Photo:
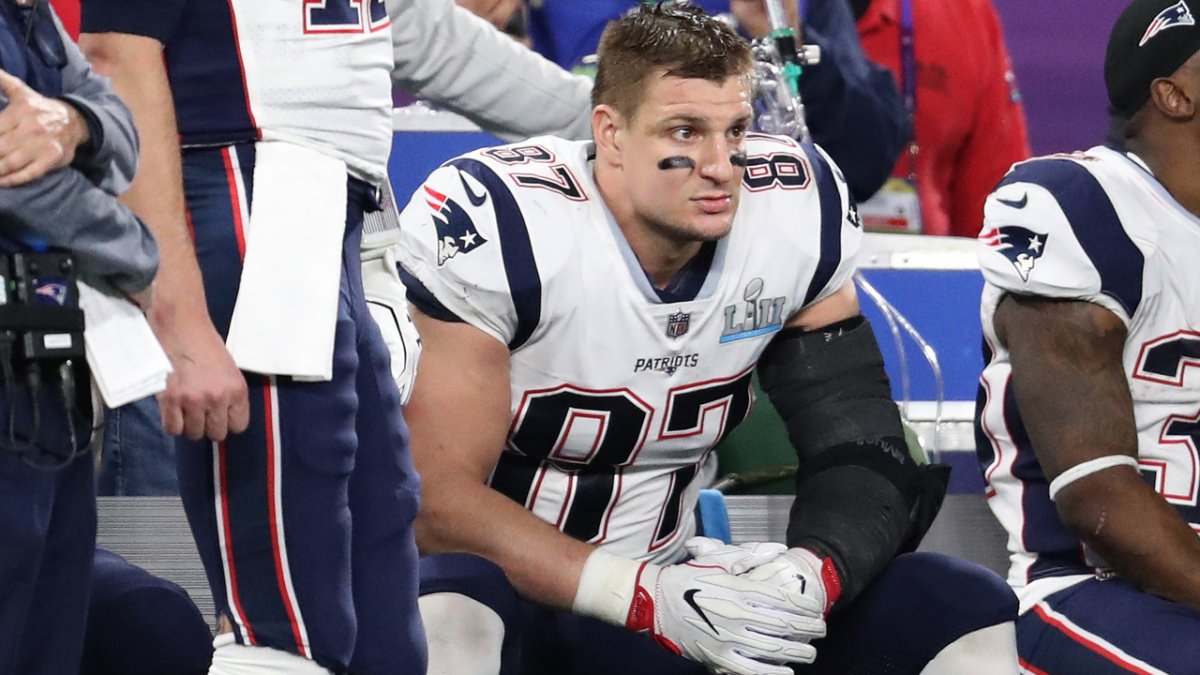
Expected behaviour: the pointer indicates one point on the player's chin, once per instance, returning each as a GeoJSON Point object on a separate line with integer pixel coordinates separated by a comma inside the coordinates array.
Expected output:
{"type": "Point", "coordinates": [712, 226]}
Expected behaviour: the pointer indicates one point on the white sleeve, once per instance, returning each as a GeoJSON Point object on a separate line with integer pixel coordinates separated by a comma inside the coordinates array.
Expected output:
{"type": "Point", "coordinates": [461, 62]}
{"type": "Point", "coordinates": [450, 250]}
{"type": "Point", "coordinates": [1050, 229]}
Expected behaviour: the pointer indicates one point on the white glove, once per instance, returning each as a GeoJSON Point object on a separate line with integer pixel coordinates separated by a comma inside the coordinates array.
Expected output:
{"type": "Point", "coordinates": [800, 571]}
{"type": "Point", "coordinates": [702, 612]}
{"type": "Point", "coordinates": [734, 559]}
{"type": "Point", "coordinates": [385, 294]}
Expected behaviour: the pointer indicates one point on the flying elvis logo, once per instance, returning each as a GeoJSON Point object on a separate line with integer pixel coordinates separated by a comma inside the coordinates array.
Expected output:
{"type": "Point", "coordinates": [1020, 245]}
{"type": "Point", "coordinates": [1176, 15]}
{"type": "Point", "coordinates": [455, 231]}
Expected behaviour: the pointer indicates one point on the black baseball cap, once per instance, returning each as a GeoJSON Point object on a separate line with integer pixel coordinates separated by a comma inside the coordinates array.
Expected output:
{"type": "Point", "coordinates": [1151, 39]}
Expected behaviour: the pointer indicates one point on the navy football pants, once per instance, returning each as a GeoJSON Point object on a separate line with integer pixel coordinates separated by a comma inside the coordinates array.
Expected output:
{"type": "Point", "coordinates": [1099, 627]}
{"type": "Point", "coordinates": [304, 521]}
{"type": "Point", "coordinates": [139, 623]}
{"type": "Point", "coordinates": [918, 605]}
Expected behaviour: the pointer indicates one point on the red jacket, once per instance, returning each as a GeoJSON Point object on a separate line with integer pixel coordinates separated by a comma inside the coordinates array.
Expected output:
{"type": "Point", "coordinates": [970, 126]}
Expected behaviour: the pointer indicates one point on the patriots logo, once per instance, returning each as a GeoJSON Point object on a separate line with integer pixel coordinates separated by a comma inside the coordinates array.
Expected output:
{"type": "Point", "coordinates": [1177, 14]}
{"type": "Point", "coordinates": [1020, 245]}
{"type": "Point", "coordinates": [53, 291]}
{"type": "Point", "coordinates": [455, 231]}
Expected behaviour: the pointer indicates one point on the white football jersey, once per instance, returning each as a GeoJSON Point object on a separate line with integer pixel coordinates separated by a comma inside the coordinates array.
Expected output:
{"type": "Point", "coordinates": [1098, 227]}
{"type": "Point", "coordinates": [320, 75]}
{"type": "Point", "coordinates": [619, 396]}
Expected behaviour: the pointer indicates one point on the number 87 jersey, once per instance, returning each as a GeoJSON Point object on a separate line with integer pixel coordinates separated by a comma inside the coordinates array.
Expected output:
{"type": "Point", "coordinates": [620, 391]}
{"type": "Point", "coordinates": [1097, 227]}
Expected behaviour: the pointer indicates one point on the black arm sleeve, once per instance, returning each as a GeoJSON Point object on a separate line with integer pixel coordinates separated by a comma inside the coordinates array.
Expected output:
{"type": "Point", "coordinates": [860, 497]}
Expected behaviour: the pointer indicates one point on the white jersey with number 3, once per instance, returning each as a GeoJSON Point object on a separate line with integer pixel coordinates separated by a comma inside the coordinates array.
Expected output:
{"type": "Point", "coordinates": [619, 395]}
{"type": "Point", "coordinates": [1097, 227]}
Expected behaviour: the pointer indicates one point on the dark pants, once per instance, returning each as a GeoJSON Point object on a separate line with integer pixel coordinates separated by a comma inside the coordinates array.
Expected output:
{"type": "Point", "coordinates": [918, 605]}
{"type": "Point", "coordinates": [47, 535]}
{"type": "Point", "coordinates": [304, 521]}
{"type": "Point", "coordinates": [1098, 627]}
{"type": "Point", "coordinates": [138, 623]}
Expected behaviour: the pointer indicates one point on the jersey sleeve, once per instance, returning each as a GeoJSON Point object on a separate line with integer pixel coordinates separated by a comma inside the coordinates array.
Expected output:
{"type": "Point", "coordinates": [465, 255]}
{"type": "Point", "coordinates": [840, 228]}
{"type": "Point", "coordinates": [155, 19]}
{"type": "Point", "coordinates": [1050, 229]}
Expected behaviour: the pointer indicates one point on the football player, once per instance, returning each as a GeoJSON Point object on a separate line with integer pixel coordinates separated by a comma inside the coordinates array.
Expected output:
{"type": "Point", "coordinates": [592, 314]}
{"type": "Point", "coordinates": [228, 79]}
{"type": "Point", "coordinates": [267, 129]}
{"type": "Point", "coordinates": [1088, 406]}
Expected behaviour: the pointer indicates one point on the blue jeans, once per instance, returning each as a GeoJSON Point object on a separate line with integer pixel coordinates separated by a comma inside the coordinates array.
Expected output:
{"type": "Point", "coordinates": [138, 457]}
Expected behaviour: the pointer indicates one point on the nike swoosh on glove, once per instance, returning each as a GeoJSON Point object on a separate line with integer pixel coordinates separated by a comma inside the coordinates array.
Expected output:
{"type": "Point", "coordinates": [730, 623]}
{"type": "Point", "coordinates": [701, 611]}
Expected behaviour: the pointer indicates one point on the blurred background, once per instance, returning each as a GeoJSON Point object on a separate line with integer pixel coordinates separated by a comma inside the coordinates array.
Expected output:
{"type": "Point", "coordinates": [1057, 50]}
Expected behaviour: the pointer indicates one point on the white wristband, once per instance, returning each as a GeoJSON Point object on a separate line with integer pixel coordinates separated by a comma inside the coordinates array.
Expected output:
{"type": "Point", "coordinates": [1088, 468]}
{"type": "Point", "coordinates": [606, 587]}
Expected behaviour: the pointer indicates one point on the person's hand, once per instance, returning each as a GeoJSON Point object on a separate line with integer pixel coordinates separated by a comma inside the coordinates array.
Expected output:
{"type": "Point", "coordinates": [733, 558]}
{"type": "Point", "coordinates": [38, 134]}
{"type": "Point", "coordinates": [799, 570]}
{"type": "Point", "coordinates": [496, 12]}
{"type": "Point", "coordinates": [730, 623]}
{"type": "Point", "coordinates": [752, 17]}
{"type": "Point", "coordinates": [206, 394]}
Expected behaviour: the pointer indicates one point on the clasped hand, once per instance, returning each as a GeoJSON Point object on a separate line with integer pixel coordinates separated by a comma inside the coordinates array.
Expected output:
{"type": "Point", "coordinates": [744, 609]}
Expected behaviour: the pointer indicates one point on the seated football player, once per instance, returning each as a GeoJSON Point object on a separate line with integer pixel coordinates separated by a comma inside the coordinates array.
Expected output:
{"type": "Point", "coordinates": [1089, 414]}
{"type": "Point", "coordinates": [591, 315]}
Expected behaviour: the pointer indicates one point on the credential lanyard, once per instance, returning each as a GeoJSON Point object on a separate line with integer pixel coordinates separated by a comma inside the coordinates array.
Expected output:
{"type": "Point", "coordinates": [908, 81]}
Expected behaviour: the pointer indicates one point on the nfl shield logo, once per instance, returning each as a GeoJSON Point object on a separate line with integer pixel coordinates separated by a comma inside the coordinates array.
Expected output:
{"type": "Point", "coordinates": [677, 324]}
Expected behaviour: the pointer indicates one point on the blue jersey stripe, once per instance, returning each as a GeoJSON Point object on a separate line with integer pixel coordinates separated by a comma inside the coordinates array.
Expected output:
{"type": "Point", "coordinates": [984, 451]}
{"type": "Point", "coordinates": [1092, 217]}
{"type": "Point", "coordinates": [1042, 532]}
{"type": "Point", "coordinates": [520, 267]}
{"type": "Point", "coordinates": [418, 294]}
{"type": "Point", "coordinates": [207, 80]}
{"type": "Point", "coordinates": [203, 65]}
{"type": "Point", "coordinates": [831, 222]}
{"type": "Point", "coordinates": [158, 20]}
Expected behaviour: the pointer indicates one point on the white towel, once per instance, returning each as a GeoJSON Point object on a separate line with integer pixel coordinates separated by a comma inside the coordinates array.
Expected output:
{"type": "Point", "coordinates": [126, 361]}
{"type": "Point", "coordinates": [286, 311]}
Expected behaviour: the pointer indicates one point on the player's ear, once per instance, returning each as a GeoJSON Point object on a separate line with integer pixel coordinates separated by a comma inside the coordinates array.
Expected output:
{"type": "Point", "coordinates": [1174, 98]}
{"type": "Point", "coordinates": [606, 122]}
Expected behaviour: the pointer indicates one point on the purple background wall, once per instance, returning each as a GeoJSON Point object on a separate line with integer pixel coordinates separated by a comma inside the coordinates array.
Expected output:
{"type": "Point", "coordinates": [1057, 50]}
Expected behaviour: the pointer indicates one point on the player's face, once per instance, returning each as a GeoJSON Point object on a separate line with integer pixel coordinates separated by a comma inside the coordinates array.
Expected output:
{"type": "Point", "coordinates": [682, 156]}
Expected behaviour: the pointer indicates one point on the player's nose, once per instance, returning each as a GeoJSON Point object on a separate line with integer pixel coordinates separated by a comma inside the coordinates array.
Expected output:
{"type": "Point", "coordinates": [715, 164]}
